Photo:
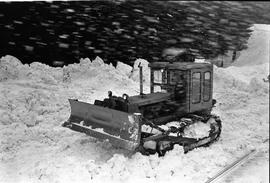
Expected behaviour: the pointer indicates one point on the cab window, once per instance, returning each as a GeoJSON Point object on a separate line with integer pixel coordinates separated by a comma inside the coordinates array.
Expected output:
{"type": "Point", "coordinates": [196, 87]}
{"type": "Point", "coordinates": [157, 76]}
{"type": "Point", "coordinates": [176, 77]}
{"type": "Point", "coordinates": [207, 86]}
{"type": "Point", "coordinates": [160, 76]}
{"type": "Point", "coordinates": [173, 77]}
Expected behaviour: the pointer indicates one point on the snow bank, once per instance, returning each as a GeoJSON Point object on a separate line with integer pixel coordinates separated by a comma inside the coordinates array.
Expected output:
{"type": "Point", "coordinates": [10, 68]}
{"type": "Point", "coordinates": [245, 78]}
{"type": "Point", "coordinates": [37, 81]}
{"type": "Point", "coordinates": [258, 51]}
{"type": "Point", "coordinates": [125, 69]}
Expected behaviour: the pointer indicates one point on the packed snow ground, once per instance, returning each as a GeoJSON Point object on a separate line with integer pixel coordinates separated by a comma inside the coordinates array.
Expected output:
{"type": "Point", "coordinates": [35, 148]}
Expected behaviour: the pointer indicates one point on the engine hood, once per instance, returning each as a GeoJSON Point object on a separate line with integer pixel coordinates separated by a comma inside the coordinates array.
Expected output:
{"type": "Point", "coordinates": [150, 98]}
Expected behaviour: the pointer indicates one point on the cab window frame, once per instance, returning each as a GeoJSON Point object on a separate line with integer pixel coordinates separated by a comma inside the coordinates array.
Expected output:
{"type": "Point", "coordinates": [198, 88]}
{"type": "Point", "coordinates": [207, 86]}
{"type": "Point", "coordinates": [164, 77]}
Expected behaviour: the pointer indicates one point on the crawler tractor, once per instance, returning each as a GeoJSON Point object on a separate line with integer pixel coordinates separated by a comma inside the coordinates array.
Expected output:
{"type": "Point", "coordinates": [180, 97]}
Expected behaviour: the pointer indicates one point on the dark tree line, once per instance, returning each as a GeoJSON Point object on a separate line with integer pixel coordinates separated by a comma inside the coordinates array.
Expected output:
{"type": "Point", "coordinates": [70, 30]}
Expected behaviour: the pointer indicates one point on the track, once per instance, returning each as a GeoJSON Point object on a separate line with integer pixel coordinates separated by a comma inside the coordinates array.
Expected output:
{"type": "Point", "coordinates": [225, 172]}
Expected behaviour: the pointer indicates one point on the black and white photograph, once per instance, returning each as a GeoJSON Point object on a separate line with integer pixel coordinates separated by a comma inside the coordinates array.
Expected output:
{"type": "Point", "coordinates": [134, 91]}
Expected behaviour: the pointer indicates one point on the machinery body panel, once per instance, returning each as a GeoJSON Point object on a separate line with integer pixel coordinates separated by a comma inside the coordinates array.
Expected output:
{"type": "Point", "coordinates": [150, 98]}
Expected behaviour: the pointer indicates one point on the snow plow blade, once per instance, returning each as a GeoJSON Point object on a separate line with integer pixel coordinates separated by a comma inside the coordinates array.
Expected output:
{"type": "Point", "coordinates": [121, 129]}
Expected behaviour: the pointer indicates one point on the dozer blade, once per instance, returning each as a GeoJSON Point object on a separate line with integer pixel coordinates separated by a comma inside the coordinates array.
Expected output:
{"type": "Point", "coordinates": [120, 128]}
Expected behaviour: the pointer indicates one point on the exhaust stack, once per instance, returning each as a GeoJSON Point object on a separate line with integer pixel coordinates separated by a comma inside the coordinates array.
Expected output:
{"type": "Point", "coordinates": [141, 80]}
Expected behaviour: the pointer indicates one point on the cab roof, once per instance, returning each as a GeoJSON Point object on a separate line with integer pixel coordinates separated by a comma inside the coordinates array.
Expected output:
{"type": "Point", "coordinates": [179, 65]}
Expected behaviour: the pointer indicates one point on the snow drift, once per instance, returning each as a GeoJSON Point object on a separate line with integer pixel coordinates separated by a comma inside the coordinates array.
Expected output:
{"type": "Point", "coordinates": [258, 51]}
{"type": "Point", "coordinates": [35, 148]}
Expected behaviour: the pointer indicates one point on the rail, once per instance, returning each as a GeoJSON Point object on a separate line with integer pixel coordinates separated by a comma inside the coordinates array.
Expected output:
{"type": "Point", "coordinates": [230, 167]}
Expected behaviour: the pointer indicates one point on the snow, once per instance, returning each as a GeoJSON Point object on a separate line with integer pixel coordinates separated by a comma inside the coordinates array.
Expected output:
{"type": "Point", "coordinates": [248, 172]}
{"type": "Point", "coordinates": [197, 130]}
{"type": "Point", "coordinates": [34, 147]}
{"type": "Point", "coordinates": [259, 43]}
{"type": "Point", "coordinates": [135, 73]}
{"type": "Point", "coordinates": [149, 129]}
{"type": "Point", "coordinates": [100, 130]}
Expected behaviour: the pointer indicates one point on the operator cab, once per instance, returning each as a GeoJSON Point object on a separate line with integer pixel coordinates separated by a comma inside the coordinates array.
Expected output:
{"type": "Point", "coordinates": [169, 81]}
{"type": "Point", "coordinates": [190, 84]}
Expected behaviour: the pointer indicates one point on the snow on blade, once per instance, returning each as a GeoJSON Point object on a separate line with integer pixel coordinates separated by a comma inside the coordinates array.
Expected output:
{"type": "Point", "coordinates": [197, 130]}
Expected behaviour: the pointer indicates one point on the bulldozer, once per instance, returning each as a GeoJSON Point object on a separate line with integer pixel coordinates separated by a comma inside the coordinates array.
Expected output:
{"type": "Point", "coordinates": [180, 97]}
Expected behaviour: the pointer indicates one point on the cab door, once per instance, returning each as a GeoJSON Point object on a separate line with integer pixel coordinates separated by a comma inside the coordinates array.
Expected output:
{"type": "Point", "coordinates": [200, 90]}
